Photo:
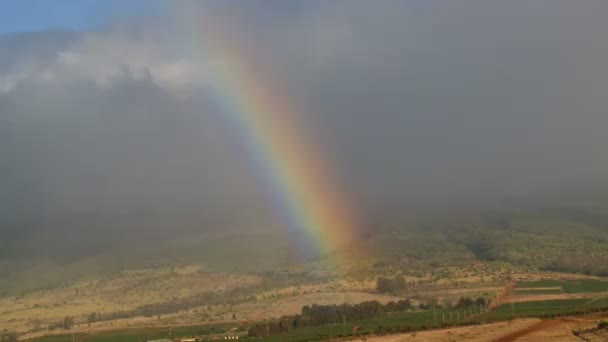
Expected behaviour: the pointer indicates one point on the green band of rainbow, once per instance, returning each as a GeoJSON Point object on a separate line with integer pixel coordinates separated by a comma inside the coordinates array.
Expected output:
{"type": "Point", "coordinates": [295, 173]}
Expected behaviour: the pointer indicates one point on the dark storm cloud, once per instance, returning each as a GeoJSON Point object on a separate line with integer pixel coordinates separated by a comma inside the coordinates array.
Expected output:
{"type": "Point", "coordinates": [412, 101]}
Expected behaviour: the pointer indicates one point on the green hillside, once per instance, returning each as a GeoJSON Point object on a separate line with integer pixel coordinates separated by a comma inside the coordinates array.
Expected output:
{"type": "Point", "coordinates": [570, 237]}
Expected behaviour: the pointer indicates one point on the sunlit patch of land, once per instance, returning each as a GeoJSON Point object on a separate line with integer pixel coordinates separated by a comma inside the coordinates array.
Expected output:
{"type": "Point", "coordinates": [123, 292]}
{"type": "Point", "coordinates": [258, 297]}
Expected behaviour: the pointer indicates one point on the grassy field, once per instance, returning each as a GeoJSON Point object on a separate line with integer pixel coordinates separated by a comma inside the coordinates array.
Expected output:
{"type": "Point", "coordinates": [568, 286]}
{"type": "Point", "coordinates": [537, 291]}
{"type": "Point", "coordinates": [122, 292]}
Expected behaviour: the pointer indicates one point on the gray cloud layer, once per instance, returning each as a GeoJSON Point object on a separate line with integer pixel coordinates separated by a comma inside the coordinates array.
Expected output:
{"type": "Point", "coordinates": [412, 101]}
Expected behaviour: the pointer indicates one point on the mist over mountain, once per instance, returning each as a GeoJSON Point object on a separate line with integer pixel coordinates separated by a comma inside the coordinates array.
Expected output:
{"type": "Point", "coordinates": [111, 136]}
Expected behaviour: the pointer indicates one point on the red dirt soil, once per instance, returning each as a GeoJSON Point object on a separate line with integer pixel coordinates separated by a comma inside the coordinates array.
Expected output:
{"type": "Point", "coordinates": [533, 328]}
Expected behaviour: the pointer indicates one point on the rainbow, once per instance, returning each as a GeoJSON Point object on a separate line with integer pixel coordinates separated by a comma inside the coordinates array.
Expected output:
{"type": "Point", "coordinates": [293, 171]}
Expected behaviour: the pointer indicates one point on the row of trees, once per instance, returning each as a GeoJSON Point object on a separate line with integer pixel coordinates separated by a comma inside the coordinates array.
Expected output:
{"type": "Point", "coordinates": [579, 263]}
{"type": "Point", "coordinates": [232, 297]}
{"type": "Point", "coordinates": [8, 336]}
{"type": "Point", "coordinates": [65, 324]}
{"type": "Point", "coordinates": [208, 299]}
{"type": "Point", "coordinates": [465, 302]}
{"type": "Point", "coordinates": [390, 285]}
{"type": "Point", "coordinates": [316, 315]}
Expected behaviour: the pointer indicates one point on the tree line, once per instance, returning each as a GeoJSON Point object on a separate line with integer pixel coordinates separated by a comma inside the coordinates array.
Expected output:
{"type": "Point", "coordinates": [580, 263]}
{"type": "Point", "coordinates": [9, 336]}
{"type": "Point", "coordinates": [316, 315]}
{"type": "Point", "coordinates": [228, 298]}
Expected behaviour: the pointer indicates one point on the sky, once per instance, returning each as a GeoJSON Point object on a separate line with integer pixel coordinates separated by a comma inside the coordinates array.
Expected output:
{"type": "Point", "coordinates": [107, 107]}
{"type": "Point", "coordinates": [39, 15]}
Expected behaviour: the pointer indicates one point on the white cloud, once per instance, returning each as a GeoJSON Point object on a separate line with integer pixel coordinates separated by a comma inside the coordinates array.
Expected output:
{"type": "Point", "coordinates": [104, 58]}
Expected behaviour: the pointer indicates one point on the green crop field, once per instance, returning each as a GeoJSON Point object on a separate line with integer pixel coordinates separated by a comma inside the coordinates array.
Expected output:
{"type": "Point", "coordinates": [598, 303]}
{"type": "Point", "coordinates": [402, 321]}
{"type": "Point", "coordinates": [540, 283]}
{"type": "Point", "coordinates": [568, 286]}
{"type": "Point", "coordinates": [533, 291]}
{"type": "Point", "coordinates": [394, 322]}
{"type": "Point", "coordinates": [548, 308]}
{"type": "Point", "coordinates": [537, 308]}
{"type": "Point", "coordinates": [140, 334]}
{"type": "Point", "coordinates": [586, 285]}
